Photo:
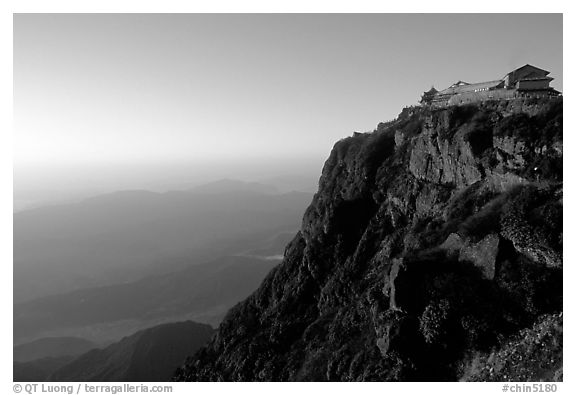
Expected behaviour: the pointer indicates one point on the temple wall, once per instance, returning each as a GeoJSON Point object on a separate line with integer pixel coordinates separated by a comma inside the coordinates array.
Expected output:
{"type": "Point", "coordinates": [496, 94]}
{"type": "Point", "coordinates": [533, 85]}
{"type": "Point", "coordinates": [472, 97]}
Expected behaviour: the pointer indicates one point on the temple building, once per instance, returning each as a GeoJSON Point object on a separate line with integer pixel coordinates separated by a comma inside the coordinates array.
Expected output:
{"type": "Point", "coordinates": [428, 96]}
{"type": "Point", "coordinates": [528, 78]}
{"type": "Point", "coordinates": [526, 81]}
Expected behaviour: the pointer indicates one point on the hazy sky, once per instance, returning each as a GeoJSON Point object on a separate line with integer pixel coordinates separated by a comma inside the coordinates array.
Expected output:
{"type": "Point", "coordinates": [161, 88]}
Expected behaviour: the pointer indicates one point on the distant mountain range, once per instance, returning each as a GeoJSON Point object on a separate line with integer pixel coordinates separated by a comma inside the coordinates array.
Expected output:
{"type": "Point", "coordinates": [124, 236]}
{"type": "Point", "coordinates": [36, 360]}
{"type": "Point", "coordinates": [235, 186]}
{"type": "Point", "coordinates": [52, 347]}
{"type": "Point", "coordinates": [38, 369]}
{"type": "Point", "coordinates": [126, 264]}
{"type": "Point", "coordinates": [203, 292]}
{"type": "Point", "coordinates": [148, 355]}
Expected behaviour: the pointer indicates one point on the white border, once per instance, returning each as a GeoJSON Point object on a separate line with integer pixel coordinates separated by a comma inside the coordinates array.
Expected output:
{"type": "Point", "coordinates": [168, 6]}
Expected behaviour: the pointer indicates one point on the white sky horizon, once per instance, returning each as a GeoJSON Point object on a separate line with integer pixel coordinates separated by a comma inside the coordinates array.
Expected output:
{"type": "Point", "coordinates": [135, 91]}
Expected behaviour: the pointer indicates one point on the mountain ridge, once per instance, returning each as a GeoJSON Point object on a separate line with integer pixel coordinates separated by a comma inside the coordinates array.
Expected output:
{"type": "Point", "coordinates": [51, 347]}
{"type": "Point", "coordinates": [147, 355]}
{"type": "Point", "coordinates": [217, 285]}
{"type": "Point", "coordinates": [121, 237]}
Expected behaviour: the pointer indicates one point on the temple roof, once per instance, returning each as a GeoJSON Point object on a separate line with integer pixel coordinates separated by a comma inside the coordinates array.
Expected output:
{"type": "Point", "coordinates": [528, 68]}
{"type": "Point", "coordinates": [537, 78]}
{"type": "Point", "coordinates": [454, 89]}
{"type": "Point", "coordinates": [459, 83]}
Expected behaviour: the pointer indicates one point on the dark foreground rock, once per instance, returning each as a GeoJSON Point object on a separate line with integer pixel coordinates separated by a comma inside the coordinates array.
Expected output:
{"type": "Point", "coordinates": [432, 242]}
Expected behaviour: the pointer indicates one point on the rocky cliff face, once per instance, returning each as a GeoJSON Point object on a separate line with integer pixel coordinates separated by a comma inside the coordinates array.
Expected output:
{"type": "Point", "coordinates": [430, 245]}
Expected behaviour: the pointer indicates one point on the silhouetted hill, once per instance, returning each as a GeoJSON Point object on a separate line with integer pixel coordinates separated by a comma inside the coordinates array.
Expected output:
{"type": "Point", "coordinates": [432, 242]}
{"type": "Point", "coordinates": [148, 355]}
{"type": "Point", "coordinates": [129, 235]}
{"type": "Point", "coordinates": [51, 347]}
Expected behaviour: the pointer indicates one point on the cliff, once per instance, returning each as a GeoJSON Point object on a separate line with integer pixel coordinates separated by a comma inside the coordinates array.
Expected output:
{"type": "Point", "coordinates": [431, 245]}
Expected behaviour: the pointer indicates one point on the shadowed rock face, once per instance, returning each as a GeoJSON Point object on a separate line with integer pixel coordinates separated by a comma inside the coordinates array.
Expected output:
{"type": "Point", "coordinates": [430, 241]}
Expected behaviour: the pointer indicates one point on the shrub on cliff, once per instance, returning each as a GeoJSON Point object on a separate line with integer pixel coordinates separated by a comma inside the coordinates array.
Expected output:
{"type": "Point", "coordinates": [434, 322]}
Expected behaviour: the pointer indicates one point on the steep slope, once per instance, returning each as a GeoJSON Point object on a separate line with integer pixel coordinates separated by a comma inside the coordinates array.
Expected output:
{"type": "Point", "coordinates": [535, 354]}
{"type": "Point", "coordinates": [148, 355]}
{"type": "Point", "coordinates": [430, 242]}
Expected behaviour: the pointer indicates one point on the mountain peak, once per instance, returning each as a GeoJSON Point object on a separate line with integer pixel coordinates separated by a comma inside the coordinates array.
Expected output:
{"type": "Point", "coordinates": [429, 241]}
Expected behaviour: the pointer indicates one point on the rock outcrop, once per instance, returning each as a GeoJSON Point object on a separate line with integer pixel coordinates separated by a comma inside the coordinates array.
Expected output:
{"type": "Point", "coordinates": [432, 241]}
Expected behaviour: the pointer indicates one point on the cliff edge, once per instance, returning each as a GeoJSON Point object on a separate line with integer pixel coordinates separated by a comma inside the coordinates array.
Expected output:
{"type": "Point", "coordinates": [431, 251]}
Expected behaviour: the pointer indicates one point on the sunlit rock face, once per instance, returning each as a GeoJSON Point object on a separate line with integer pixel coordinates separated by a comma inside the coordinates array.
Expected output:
{"type": "Point", "coordinates": [431, 242]}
